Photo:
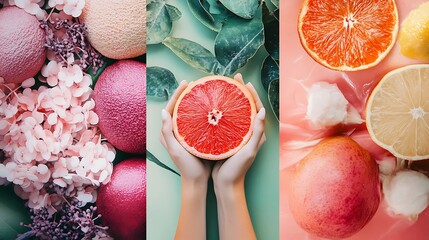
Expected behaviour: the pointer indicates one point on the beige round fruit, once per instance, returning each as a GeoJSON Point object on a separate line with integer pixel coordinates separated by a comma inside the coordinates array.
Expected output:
{"type": "Point", "coordinates": [335, 190]}
{"type": "Point", "coordinates": [414, 34]}
{"type": "Point", "coordinates": [116, 28]}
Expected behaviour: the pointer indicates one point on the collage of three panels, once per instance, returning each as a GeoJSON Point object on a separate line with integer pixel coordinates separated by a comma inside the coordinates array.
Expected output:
{"type": "Point", "coordinates": [214, 119]}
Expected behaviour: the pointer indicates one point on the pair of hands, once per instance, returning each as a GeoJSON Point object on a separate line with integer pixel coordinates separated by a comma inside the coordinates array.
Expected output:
{"type": "Point", "coordinates": [226, 172]}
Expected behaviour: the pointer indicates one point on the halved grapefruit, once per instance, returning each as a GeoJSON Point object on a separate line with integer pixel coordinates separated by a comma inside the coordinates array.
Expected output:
{"type": "Point", "coordinates": [213, 117]}
{"type": "Point", "coordinates": [397, 112]}
{"type": "Point", "coordinates": [348, 35]}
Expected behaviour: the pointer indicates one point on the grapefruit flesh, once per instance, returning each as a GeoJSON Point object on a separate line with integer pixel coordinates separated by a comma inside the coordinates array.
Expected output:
{"type": "Point", "coordinates": [335, 189]}
{"type": "Point", "coordinates": [116, 28]}
{"type": "Point", "coordinates": [348, 35]}
{"type": "Point", "coordinates": [213, 117]}
{"type": "Point", "coordinates": [22, 45]}
{"type": "Point", "coordinates": [122, 201]}
{"type": "Point", "coordinates": [397, 112]}
{"type": "Point", "coordinates": [120, 103]}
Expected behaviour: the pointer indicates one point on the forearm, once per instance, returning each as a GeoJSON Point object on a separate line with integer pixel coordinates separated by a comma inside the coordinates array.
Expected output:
{"type": "Point", "coordinates": [192, 219]}
{"type": "Point", "coordinates": [234, 218]}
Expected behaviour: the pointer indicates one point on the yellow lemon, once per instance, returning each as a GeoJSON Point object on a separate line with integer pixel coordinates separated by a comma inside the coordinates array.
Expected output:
{"type": "Point", "coordinates": [414, 34]}
{"type": "Point", "coordinates": [397, 113]}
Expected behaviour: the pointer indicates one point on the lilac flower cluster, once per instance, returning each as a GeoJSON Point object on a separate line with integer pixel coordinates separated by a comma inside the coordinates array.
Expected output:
{"type": "Point", "coordinates": [66, 37]}
{"type": "Point", "coordinates": [70, 221]}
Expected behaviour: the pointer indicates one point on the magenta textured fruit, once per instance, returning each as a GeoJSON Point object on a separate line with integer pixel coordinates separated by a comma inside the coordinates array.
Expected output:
{"type": "Point", "coordinates": [120, 102]}
{"type": "Point", "coordinates": [122, 201]}
{"type": "Point", "coordinates": [22, 45]}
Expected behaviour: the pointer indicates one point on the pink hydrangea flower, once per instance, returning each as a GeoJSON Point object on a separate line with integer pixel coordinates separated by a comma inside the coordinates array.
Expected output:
{"type": "Point", "coordinates": [50, 138]}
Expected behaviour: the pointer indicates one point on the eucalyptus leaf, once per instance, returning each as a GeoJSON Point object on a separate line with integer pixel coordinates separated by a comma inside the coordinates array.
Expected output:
{"type": "Point", "coordinates": [160, 83]}
{"type": "Point", "coordinates": [203, 15]}
{"type": "Point", "coordinates": [160, 17]}
{"type": "Point", "coordinates": [215, 7]}
{"type": "Point", "coordinates": [277, 14]}
{"type": "Point", "coordinates": [269, 72]}
{"type": "Point", "coordinates": [194, 54]}
{"type": "Point", "coordinates": [155, 160]}
{"type": "Point", "coordinates": [271, 30]}
{"type": "Point", "coordinates": [275, 3]}
{"type": "Point", "coordinates": [273, 97]}
{"type": "Point", "coordinates": [242, 8]}
{"type": "Point", "coordinates": [237, 42]}
{"type": "Point", "coordinates": [174, 13]}
{"type": "Point", "coordinates": [12, 213]}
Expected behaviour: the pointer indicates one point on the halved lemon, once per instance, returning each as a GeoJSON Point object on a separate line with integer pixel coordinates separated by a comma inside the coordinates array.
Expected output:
{"type": "Point", "coordinates": [397, 113]}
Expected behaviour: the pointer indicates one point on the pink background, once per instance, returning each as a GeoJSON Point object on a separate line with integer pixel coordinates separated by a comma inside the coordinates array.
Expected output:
{"type": "Point", "coordinates": [297, 72]}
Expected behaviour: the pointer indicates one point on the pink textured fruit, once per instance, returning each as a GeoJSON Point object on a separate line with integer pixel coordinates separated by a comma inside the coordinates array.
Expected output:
{"type": "Point", "coordinates": [120, 102]}
{"type": "Point", "coordinates": [22, 45]}
{"type": "Point", "coordinates": [122, 201]}
{"type": "Point", "coordinates": [335, 189]}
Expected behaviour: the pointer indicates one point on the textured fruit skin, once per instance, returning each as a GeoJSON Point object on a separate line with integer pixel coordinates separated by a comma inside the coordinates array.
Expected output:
{"type": "Point", "coordinates": [120, 103]}
{"type": "Point", "coordinates": [335, 189]}
{"type": "Point", "coordinates": [122, 201]}
{"type": "Point", "coordinates": [414, 34]}
{"type": "Point", "coordinates": [22, 45]}
{"type": "Point", "coordinates": [116, 28]}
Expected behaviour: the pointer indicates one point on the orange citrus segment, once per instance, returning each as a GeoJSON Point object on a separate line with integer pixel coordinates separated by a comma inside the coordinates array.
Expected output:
{"type": "Point", "coordinates": [213, 117]}
{"type": "Point", "coordinates": [397, 112]}
{"type": "Point", "coordinates": [348, 35]}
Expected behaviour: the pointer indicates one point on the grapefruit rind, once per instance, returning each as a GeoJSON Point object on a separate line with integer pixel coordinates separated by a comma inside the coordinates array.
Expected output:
{"type": "Point", "coordinates": [369, 115]}
{"type": "Point", "coordinates": [231, 152]}
{"type": "Point", "coordinates": [344, 68]}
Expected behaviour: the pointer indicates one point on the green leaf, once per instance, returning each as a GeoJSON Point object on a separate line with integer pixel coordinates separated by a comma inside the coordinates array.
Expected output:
{"type": "Point", "coordinates": [12, 213]}
{"type": "Point", "coordinates": [94, 76]}
{"type": "Point", "coordinates": [271, 30]}
{"type": "Point", "coordinates": [161, 83]}
{"type": "Point", "coordinates": [194, 54]}
{"type": "Point", "coordinates": [174, 13]}
{"type": "Point", "coordinates": [203, 15]}
{"type": "Point", "coordinates": [155, 160]}
{"type": "Point", "coordinates": [242, 8]}
{"type": "Point", "coordinates": [273, 97]}
{"type": "Point", "coordinates": [160, 17]}
{"type": "Point", "coordinates": [269, 72]}
{"type": "Point", "coordinates": [275, 3]}
{"type": "Point", "coordinates": [215, 7]}
{"type": "Point", "coordinates": [237, 42]}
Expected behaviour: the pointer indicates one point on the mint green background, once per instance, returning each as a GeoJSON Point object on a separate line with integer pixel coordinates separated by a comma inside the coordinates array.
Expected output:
{"type": "Point", "coordinates": [164, 187]}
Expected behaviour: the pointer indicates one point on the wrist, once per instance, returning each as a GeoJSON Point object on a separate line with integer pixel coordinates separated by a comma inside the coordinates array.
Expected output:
{"type": "Point", "coordinates": [228, 188]}
{"type": "Point", "coordinates": [194, 187]}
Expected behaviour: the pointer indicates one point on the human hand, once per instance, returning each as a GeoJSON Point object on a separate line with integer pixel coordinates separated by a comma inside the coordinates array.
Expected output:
{"type": "Point", "coordinates": [191, 168]}
{"type": "Point", "coordinates": [233, 170]}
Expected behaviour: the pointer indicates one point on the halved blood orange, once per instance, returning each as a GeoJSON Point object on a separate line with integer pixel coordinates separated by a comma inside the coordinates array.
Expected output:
{"type": "Point", "coordinates": [213, 117]}
{"type": "Point", "coordinates": [348, 35]}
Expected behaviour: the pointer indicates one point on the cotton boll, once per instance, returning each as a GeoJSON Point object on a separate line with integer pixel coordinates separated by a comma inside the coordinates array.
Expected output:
{"type": "Point", "coordinates": [407, 193]}
{"type": "Point", "coordinates": [327, 106]}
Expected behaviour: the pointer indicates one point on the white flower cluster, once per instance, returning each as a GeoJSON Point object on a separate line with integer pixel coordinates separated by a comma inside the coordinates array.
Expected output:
{"type": "Point", "coordinates": [35, 7]}
{"type": "Point", "coordinates": [50, 135]}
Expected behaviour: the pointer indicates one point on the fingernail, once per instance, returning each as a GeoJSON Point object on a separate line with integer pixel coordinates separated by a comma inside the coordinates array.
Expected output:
{"type": "Point", "coordinates": [262, 113]}
{"type": "Point", "coordinates": [164, 114]}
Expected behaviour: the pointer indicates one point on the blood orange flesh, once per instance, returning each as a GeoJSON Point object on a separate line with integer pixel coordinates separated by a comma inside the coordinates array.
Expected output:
{"type": "Point", "coordinates": [213, 117]}
{"type": "Point", "coordinates": [348, 35]}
